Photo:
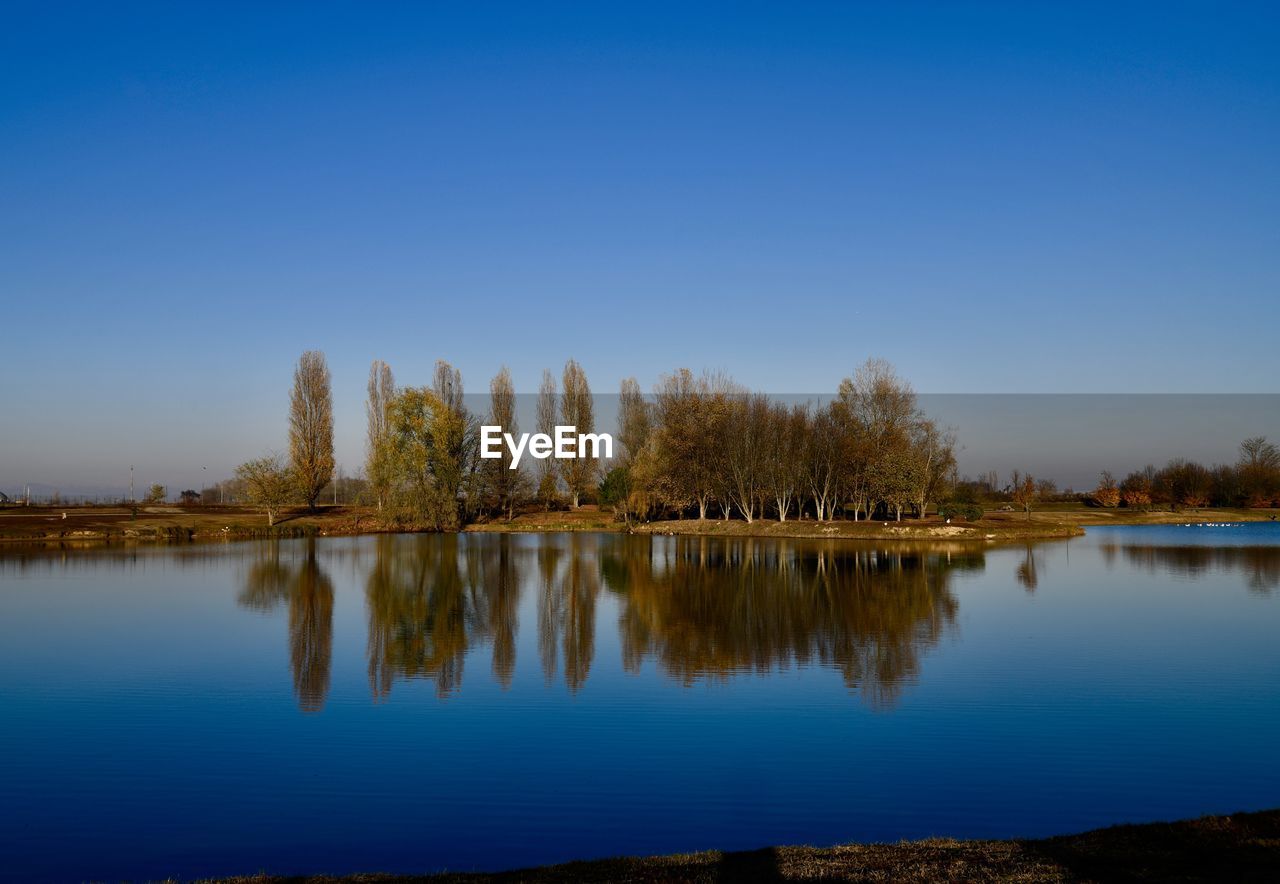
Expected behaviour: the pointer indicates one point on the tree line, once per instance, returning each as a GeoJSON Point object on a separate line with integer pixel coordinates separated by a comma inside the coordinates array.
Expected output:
{"type": "Point", "coordinates": [707, 447]}
{"type": "Point", "coordinates": [698, 446]}
{"type": "Point", "coordinates": [1252, 481]}
{"type": "Point", "coordinates": [423, 461]}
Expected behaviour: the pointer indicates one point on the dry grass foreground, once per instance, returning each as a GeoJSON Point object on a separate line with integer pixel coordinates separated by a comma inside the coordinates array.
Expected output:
{"type": "Point", "coordinates": [1240, 847]}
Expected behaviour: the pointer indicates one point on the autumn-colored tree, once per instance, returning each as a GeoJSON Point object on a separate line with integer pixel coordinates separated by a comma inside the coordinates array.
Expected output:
{"type": "Point", "coordinates": [311, 426]}
{"type": "Point", "coordinates": [785, 468]}
{"type": "Point", "coordinates": [1259, 470]}
{"type": "Point", "coordinates": [689, 415]}
{"type": "Point", "coordinates": [824, 457]}
{"type": "Point", "coordinates": [885, 439]}
{"type": "Point", "coordinates": [1185, 483]}
{"type": "Point", "coordinates": [1135, 490]}
{"type": "Point", "coordinates": [745, 441]}
{"type": "Point", "coordinates": [1025, 492]}
{"type": "Point", "coordinates": [1107, 494]}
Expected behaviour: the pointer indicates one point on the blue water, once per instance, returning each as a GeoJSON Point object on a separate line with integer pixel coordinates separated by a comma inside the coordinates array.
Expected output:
{"type": "Point", "coordinates": [419, 703]}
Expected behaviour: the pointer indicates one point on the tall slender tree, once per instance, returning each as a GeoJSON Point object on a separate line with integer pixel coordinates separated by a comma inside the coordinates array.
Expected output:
{"type": "Point", "coordinates": [577, 409]}
{"type": "Point", "coordinates": [378, 466]}
{"type": "Point", "coordinates": [311, 426]}
{"type": "Point", "coordinates": [634, 419]}
{"type": "Point", "coordinates": [461, 444]}
{"type": "Point", "coordinates": [547, 490]}
{"type": "Point", "coordinates": [504, 484]}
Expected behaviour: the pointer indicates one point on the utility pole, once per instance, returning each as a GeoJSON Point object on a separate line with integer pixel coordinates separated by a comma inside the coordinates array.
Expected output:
{"type": "Point", "coordinates": [132, 499]}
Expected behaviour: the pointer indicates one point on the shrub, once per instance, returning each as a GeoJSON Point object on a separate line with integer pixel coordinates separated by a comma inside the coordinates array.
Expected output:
{"type": "Point", "coordinates": [968, 510]}
{"type": "Point", "coordinates": [615, 487]}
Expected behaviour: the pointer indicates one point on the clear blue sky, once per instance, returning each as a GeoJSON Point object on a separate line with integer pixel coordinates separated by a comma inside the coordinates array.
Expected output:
{"type": "Point", "coordinates": [996, 198]}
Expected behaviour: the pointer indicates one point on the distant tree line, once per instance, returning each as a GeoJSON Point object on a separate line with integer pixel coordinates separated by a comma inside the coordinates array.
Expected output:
{"type": "Point", "coordinates": [1252, 481]}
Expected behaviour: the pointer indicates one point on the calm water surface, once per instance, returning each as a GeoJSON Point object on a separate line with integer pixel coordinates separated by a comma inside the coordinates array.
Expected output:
{"type": "Point", "coordinates": [487, 701]}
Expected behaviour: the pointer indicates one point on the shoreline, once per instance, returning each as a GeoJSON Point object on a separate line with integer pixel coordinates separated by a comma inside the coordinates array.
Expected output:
{"type": "Point", "coordinates": [42, 526]}
{"type": "Point", "coordinates": [1239, 847]}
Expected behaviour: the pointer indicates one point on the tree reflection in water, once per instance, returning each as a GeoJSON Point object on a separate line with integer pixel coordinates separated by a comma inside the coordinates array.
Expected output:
{"type": "Point", "coordinates": [431, 599]}
{"type": "Point", "coordinates": [710, 608]}
{"type": "Point", "coordinates": [702, 607]}
{"type": "Point", "coordinates": [569, 587]}
{"type": "Point", "coordinates": [1028, 571]}
{"type": "Point", "coordinates": [308, 591]}
{"type": "Point", "coordinates": [1260, 565]}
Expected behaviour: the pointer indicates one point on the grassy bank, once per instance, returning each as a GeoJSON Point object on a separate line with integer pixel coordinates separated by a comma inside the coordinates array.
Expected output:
{"type": "Point", "coordinates": [1054, 521]}
{"type": "Point", "coordinates": [169, 523]}
{"type": "Point", "coordinates": [1240, 847]}
{"type": "Point", "coordinates": [994, 529]}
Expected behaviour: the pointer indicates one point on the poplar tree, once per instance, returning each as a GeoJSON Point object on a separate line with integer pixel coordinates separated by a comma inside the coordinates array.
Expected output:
{"type": "Point", "coordinates": [634, 419]}
{"type": "Point", "coordinates": [503, 482]}
{"type": "Point", "coordinates": [458, 439]}
{"type": "Point", "coordinates": [311, 426]}
{"type": "Point", "coordinates": [378, 466]}
{"type": "Point", "coordinates": [547, 491]}
{"type": "Point", "coordinates": [577, 410]}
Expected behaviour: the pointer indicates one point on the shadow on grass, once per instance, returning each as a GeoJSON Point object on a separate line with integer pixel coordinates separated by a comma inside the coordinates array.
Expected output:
{"type": "Point", "coordinates": [1241, 847]}
{"type": "Point", "coordinates": [750, 865]}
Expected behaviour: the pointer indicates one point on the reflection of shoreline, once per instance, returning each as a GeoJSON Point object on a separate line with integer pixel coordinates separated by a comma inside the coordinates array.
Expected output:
{"type": "Point", "coordinates": [1259, 564]}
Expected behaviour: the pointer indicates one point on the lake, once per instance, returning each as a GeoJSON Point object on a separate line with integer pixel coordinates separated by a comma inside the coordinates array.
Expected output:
{"type": "Point", "coordinates": [414, 703]}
